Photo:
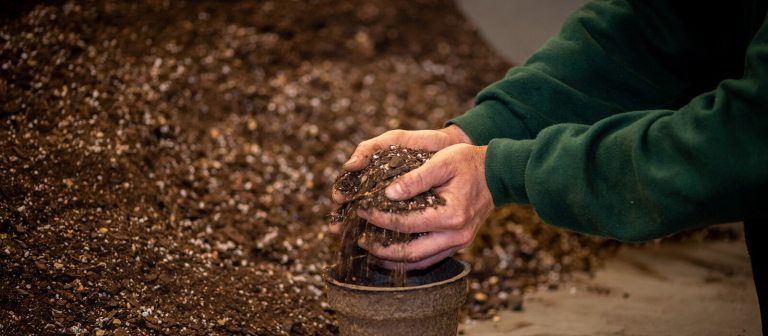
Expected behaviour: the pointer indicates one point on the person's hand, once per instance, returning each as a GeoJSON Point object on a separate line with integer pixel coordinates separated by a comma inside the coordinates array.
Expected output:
{"type": "Point", "coordinates": [430, 140]}
{"type": "Point", "coordinates": [458, 175]}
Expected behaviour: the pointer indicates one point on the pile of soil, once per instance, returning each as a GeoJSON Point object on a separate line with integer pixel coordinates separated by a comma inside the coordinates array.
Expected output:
{"type": "Point", "coordinates": [165, 166]}
{"type": "Point", "coordinates": [364, 189]}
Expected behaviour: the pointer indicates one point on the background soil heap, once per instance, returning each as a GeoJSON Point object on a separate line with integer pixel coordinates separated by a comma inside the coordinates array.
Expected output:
{"type": "Point", "coordinates": [165, 166]}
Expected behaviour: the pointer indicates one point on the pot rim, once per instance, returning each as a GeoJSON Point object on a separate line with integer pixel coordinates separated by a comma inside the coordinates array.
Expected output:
{"type": "Point", "coordinates": [329, 279]}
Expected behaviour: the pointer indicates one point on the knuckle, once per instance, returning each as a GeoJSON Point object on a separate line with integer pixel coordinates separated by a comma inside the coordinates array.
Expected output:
{"type": "Point", "coordinates": [413, 255]}
{"type": "Point", "coordinates": [464, 217]}
{"type": "Point", "coordinates": [462, 147]}
{"type": "Point", "coordinates": [409, 255]}
{"type": "Point", "coordinates": [455, 223]}
{"type": "Point", "coordinates": [465, 238]}
{"type": "Point", "coordinates": [412, 181]}
{"type": "Point", "coordinates": [419, 178]}
{"type": "Point", "coordinates": [364, 146]}
{"type": "Point", "coordinates": [406, 185]}
{"type": "Point", "coordinates": [414, 258]}
{"type": "Point", "coordinates": [452, 162]}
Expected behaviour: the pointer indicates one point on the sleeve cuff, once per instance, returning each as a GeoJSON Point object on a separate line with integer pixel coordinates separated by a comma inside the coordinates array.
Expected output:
{"type": "Point", "coordinates": [490, 120]}
{"type": "Point", "coordinates": [506, 161]}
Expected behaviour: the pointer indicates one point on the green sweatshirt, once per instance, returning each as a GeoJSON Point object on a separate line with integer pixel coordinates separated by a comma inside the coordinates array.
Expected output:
{"type": "Point", "coordinates": [638, 120]}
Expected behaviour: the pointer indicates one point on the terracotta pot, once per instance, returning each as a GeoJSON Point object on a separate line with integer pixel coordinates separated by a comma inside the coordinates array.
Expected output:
{"type": "Point", "coordinates": [427, 305]}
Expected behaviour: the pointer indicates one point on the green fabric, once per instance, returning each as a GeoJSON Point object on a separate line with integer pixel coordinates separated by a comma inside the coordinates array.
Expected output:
{"type": "Point", "coordinates": [638, 120]}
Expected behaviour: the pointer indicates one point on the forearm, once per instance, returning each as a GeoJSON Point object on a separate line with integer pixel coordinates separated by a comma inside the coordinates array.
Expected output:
{"type": "Point", "coordinates": [611, 57]}
{"type": "Point", "coordinates": [646, 174]}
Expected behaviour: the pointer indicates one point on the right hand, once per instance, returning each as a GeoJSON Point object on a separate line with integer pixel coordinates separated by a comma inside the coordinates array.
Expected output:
{"type": "Point", "coordinates": [430, 140]}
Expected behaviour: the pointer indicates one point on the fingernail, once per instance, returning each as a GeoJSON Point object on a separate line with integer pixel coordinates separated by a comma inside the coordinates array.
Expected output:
{"type": "Point", "coordinates": [362, 242]}
{"type": "Point", "coordinates": [394, 191]}
{"type": "Point", "coordinates": [337, 196]}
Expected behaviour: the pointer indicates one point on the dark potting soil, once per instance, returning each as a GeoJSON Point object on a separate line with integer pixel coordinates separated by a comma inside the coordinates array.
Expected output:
{"type": "Point", "coordinates": [364, 189]}
{"type": "Point", "coordinates": [165, 166]}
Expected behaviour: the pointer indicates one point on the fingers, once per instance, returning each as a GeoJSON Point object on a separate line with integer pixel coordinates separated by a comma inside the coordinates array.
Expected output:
{"type": "Point", "coordinates": [421, 264]}
{"type": "Point", "coordinates": [359, 160]}
{"type": "Point", "coordinates": [427, 220]}
{"type": "Point", "coordinates": [432, 173]}
{"type": "Point", "coordinates": [335, 227]}
{"type": "Point", "coordinates": [415, 250]}
{"type": "Point", "coordinates": [429, 140]}
{"type": "Point", "coordinates": [362, 154]}
{"type": "Point", "coordinates": [457, 134]}
{"type": "Point", "coordinates": [337, 196]}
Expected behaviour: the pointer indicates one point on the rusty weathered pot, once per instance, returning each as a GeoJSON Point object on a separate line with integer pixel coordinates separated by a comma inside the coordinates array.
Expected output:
{"type": "Point", "coordinates": [428, 305]}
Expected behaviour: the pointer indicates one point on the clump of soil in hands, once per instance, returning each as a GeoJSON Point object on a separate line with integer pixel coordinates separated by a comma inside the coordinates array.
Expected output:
{"type": "Point", "coordinates": [364, 189]}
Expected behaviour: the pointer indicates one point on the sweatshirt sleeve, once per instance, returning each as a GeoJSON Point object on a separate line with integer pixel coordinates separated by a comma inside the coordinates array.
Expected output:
{"type": "Point", "coordinates": [610, 57]}
{"type": "Point", "coordinates": [648, 173]}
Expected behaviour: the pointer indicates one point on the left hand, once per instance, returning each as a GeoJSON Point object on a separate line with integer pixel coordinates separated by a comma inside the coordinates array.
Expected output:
{"type": "Point", "coordinates": [457, 173]}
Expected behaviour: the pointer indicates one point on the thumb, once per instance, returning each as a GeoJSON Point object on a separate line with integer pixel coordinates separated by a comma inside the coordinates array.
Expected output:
{"type": "Point", "coordinates": [434, 172]}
